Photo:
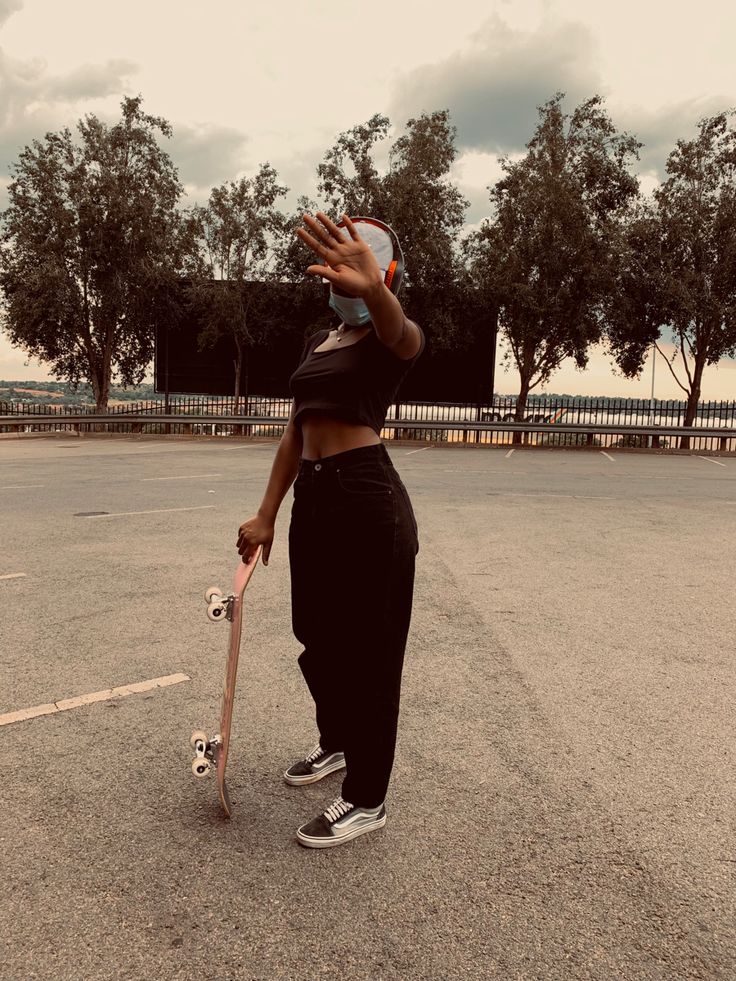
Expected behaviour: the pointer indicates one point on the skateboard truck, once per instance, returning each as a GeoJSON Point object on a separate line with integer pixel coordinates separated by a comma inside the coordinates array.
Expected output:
{"type": "Point", "coordinates": [219, 607]}
{"type": "Point", "coordinates": [205, 755]}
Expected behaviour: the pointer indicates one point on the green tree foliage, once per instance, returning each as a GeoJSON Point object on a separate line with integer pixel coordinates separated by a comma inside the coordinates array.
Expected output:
{"type": "Point", "coordinates": [677, 270]}
{"type": "Point", "coordinates": [415, 195]}
{"type": "Point", "coordinates": [88, 248]}
{"type": "Point", "coordinates": [231, 250]}
{"type": "Point", "coordinates": [308, 295]}
{"type": "Point", "coordinates": [543, 258]}
{"type": "Point", "coordinates": [633, 307]}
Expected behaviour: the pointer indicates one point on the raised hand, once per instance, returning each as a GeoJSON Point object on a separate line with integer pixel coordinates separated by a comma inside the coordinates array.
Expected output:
{"type": "Point", "coordinates": [350, 265]}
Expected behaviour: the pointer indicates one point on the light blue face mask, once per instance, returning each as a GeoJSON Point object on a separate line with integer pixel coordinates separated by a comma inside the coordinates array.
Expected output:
{"type": "Point", "coordinates": [351, 308]}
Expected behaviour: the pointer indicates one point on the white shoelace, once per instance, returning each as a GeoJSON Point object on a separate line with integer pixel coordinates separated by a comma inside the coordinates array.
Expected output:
{"type": "Point", "coordinates": [315, 754]}
{"type": "Point", "coordinates": [339, 808]}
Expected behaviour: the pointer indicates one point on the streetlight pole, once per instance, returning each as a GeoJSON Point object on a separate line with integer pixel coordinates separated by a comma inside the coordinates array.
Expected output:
{"type": "Point", "coordinates": [651, 400]}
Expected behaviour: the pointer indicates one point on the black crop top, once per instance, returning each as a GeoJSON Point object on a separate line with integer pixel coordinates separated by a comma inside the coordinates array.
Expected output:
{"type": "Point", "coordinates": [358, 382]}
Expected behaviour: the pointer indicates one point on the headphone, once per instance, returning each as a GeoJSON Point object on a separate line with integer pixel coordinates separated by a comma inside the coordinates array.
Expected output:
{"type": "Point", "coordinates": [395, 268]}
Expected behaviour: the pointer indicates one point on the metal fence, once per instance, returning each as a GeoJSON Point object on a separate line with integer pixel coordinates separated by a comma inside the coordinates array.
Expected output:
{"type": "Point", "coordinates": [547, 422]}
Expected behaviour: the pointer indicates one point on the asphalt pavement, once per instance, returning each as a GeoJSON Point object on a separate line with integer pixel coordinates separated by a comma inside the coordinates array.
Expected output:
{"type": "Point", "coordinates": [562, 804]}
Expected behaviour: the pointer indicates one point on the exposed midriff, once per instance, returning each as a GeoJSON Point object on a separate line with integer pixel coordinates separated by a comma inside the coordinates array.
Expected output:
{"type": "Point", "coordinates": [324, 434]}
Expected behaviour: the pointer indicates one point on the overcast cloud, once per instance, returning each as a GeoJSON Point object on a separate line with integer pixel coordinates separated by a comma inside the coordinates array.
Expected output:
{"type": "Point", "coordinates": [659, 130]}
{"type": "Point", "coordinates": [33, 101]}
{"type": "Point", "coordinates": [8, 7]}
{"type": "Point", "coordinates": [494, 86]}
{"type": "Point", "coordinates": [206, 155]}
{"type": "Point", "coordinates": [243, 84]}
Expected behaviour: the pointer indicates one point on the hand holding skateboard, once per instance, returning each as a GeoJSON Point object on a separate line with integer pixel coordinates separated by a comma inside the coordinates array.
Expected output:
{"type": "Point", "coordinates": [252, 533]}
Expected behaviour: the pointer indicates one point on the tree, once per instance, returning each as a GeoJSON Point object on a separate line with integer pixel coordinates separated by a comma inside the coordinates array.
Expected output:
{"type": "Point", "coordinates": [232, 258]}
{"type": "Point", "coordinates": [308, 295]}
{"type": "Point", "coordinates": [417, 198]}
{"type": "Point", "coordinates": [543, 257]}
{"type": "Point", "coordinates": [88, 248]}
{"type": "Point", "coordinates": [348, 176]}
{"type": "Point", "coordinates": [633, 307]}
{"type": "Point", "coordinates": [683, 281]}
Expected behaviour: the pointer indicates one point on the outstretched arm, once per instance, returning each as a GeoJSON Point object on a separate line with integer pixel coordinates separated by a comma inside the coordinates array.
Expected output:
{"type": "Point", "coordinates": [351, 267]}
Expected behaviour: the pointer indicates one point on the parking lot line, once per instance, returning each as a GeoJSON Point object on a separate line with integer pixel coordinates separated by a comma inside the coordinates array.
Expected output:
{"type": "Point", "coordinates": [14, 575]}
{"type": "Point", "coordinates": [121, 514]}
{"type": "Point", "coordinates": [509, 453]}
{"type": "Point", "coordinates": [188, 476]}
{"type": "Point", "coordinates": [607, 456]}
{"type": "Point", "coordinates": [63, 705]}
{"type": "Point", "coordinates": [245, 446]}
{"type": "Point", "coordinates": [709, 460]}
{"type": "Point", "coordinates": [21, 486]}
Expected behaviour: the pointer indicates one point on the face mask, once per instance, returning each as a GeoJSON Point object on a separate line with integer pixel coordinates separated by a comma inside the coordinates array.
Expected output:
{"type": "Point", "coordinates": [351, 308]}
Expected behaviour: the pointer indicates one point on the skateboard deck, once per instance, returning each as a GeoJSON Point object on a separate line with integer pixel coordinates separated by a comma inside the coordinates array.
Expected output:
{"type": "Point", "coordinates": [214, 752]}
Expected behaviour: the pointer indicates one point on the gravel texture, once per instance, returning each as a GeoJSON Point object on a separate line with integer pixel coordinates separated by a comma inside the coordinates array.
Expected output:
{"type": "Point", "coordinates": [562, 804]}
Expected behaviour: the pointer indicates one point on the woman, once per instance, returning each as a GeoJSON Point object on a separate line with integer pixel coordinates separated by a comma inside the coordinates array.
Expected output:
{"type": "Point", "coordinates": [353, 535]}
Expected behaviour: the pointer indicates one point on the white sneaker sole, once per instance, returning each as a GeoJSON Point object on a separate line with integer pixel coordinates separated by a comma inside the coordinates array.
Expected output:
{"type": "Point", "coordinates": [313, 777]}
{"type": "Point", "coordinates": [310, 842]}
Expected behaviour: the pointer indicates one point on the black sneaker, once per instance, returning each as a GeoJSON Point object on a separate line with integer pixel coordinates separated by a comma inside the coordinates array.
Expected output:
{"type": "Point", "coordinates": [340, 822]}
{"type": "Point", "coordinates": [316, 765]}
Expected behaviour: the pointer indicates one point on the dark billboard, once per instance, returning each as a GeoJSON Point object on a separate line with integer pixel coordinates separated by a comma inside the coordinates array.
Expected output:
{"type": "Point", "coordinates": [182, 366]}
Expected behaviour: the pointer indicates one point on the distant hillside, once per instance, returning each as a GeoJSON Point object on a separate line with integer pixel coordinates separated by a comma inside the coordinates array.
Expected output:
{"type": "Point", "coordinates": [61, 393]}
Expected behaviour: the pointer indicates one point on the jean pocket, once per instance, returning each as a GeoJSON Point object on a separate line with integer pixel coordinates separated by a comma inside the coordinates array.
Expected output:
{"type": "Point", "coordinates": [405, 494]}
{"type": "Point", "coordinates": [300, 485]}
{"type": "Point", "coordinates": [364, 480]}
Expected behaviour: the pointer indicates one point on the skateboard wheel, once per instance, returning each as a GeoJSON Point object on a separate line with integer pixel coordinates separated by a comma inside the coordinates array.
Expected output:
{"type": "Point", "coordinates": [201, 767]}
{"type": "Point", "coordinates": [216, 612]}
{"type": "Point", "coordinates": [209, 594]}
{"type": "Point", "coordinates": [198, 736]}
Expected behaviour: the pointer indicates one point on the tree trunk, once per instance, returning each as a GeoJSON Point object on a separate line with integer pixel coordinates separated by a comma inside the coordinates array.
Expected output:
{"type": "Point", "coordinates": [100, 387]}
{"type": "Point", "coordinates": [693, 399]}
{"type": "Point", "coordinates": [238, 362]}
{"type": "Point", "coordinates": [98, 370]}
{"type": "Point", "coordinates": [238, 374]}
{"type": "Point", "coordinates": [521, 400]}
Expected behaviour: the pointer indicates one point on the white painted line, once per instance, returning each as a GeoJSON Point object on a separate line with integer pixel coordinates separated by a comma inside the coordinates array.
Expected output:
{"type": "Point", "coordinates": [21, 486]}
{"type": "Point", "coordinates": [189, 476]}
{"type": "Point", "coordinates": [709, 460]}
{"type": "Point", "coordinates": [544, 494]}
{"type": "Point", "coordinates": [505, 473]}
{"type": "Point", "coordinates": [14, 575]}
{"type": "Point", "coordinates": [607, 456]}
{"type": "Point", "coordinates": [422, 449]}
{"type": "Point", "coordinates": [509, 453]}
{"type": "Point", "coordinates": [593, 497]}
{"type": "Point", "coordinates": [121, 514]}
{"type": "Point", "coordinates": [246, 446]}
{"type": "Point", "coordinates": [51, 708]}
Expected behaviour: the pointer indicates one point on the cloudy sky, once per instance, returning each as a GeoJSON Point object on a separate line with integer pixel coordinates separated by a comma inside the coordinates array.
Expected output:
{"type": "Point", "coordinates": [244, 83]}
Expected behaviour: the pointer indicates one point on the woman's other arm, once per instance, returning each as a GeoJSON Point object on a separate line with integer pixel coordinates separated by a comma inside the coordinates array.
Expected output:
{"type": "Point", "coordinates": [259, 530]}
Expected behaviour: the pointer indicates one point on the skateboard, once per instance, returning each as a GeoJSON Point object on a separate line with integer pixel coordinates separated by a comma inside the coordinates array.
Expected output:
{"type": "Point", "coordinates": [213, 752]}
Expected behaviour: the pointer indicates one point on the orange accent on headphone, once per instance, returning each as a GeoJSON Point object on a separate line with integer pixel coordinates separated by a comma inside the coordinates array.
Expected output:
{"type": "Point", "coordinates": [390, 273]}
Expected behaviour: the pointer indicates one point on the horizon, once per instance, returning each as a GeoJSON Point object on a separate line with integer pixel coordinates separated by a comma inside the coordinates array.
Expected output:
{"type": "Point", "coordinates": [597, 381]}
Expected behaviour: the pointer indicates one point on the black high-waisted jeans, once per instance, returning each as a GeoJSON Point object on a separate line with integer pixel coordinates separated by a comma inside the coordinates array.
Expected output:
{"type": "Point", "coordinates": [352, 547]}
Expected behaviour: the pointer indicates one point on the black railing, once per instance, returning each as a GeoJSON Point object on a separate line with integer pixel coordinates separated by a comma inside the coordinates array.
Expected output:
{"type": "Point", "coordinates": [561, 421]}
